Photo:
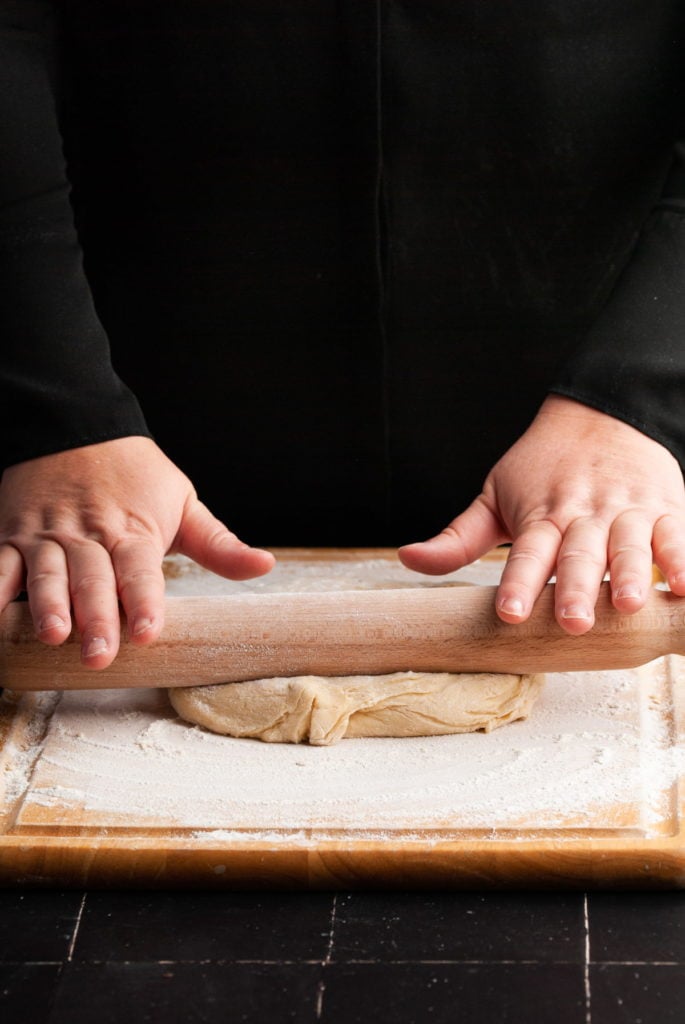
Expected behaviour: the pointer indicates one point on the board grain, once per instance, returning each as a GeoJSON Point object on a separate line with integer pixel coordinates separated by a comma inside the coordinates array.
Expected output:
{"type": "Point", "coordinates": [58, 828]}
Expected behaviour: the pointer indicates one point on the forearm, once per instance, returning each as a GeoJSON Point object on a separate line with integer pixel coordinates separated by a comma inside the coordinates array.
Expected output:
{"type": "Point", "coordinates": [57, 386]}
{"type": "Point", "coordinates": [632, 362]}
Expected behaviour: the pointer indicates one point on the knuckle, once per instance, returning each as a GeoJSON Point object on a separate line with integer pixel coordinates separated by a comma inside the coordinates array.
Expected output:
{"type": "Point", "coordinates": [91, 583]}
{"type": "Point", "coordinates": [139, 579]}
{"type": "Point", "coordinates": [637, 512]}
{"type": "Point", "coordinates": [671, 526]}
{"type": "Point", "coordinates": [98, 625]}
{"type": "Point", "coordinates": [669, 549]}
{"type": "Point", "coordinates": [17, 524]}
{"type": "Point", "coordinates": [674, 537]}
{"type": "Point", "coordinates": [581, 569]}
{"type": "Point", "coordinates": [584, 556]}
{"type": "Point", "coordinates": [456, 536]}
{"type": "Point", "coordinates": [95, 537]}
{"type": "Point", "coordinates": [220, 536]}
{"type": "Point", "coordinates": [542, 524]}
{"type": "Point", "coordinates": [76, 544]}
{"type": "Point", "coordinates": [63, 537]}
{"type": "Point", "coordinates": [20, 541]}
{"type": "Point", "coordinates": [643, 523]}
{"type": "Point", "coordinates": [526, 553]}
{"type": "Point", "coordinates": [136, 526]}
{"type": "Point", "coordinates": [45, 576]}
{"type": "Point", "coordinates": [9, 555]}
{"type": "Point", "coordinates": [130, 546]}
{"type": "Point", "coordinates": [589, 522]}
{"type": "Point", "coordinates": [629, 549]}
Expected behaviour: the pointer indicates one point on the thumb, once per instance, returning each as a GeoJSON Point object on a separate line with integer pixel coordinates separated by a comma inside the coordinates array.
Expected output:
{"type": "Point", "coordinates": [205, 539]}
{"type": "Point", "coordinates": [469, 536]}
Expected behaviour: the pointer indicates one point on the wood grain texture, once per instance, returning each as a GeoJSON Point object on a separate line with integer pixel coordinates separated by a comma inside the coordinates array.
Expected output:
{"type": "Point", "coordinates": [164, 862]}
{"type": "Point", "coordinates": [250, 636]}
{"type": "Point", "coordinates": [65, 849]}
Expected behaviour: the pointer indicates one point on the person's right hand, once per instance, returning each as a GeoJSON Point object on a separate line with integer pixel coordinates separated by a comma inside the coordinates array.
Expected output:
{"type": "Point", "coordinates": [86, 528]}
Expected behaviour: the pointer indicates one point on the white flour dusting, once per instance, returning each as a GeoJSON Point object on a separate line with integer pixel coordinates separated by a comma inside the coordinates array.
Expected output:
{"type": "Point", "coordinates": [123, 754]}
{"type": "Point", "coordinates": [597, 753]}
{"type": "Point", "coordinates": [19, 757]}
{"type": "Point", "coordinates": [187, 578]}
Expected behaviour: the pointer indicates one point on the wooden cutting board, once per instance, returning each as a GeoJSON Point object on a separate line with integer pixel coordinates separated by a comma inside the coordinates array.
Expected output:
{"type": "Point", "coordinates": [109, 788]}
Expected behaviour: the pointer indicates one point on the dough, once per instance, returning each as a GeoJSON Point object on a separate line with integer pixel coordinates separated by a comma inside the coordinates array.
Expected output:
{"type": "Point", "coordinates": [324, 710]}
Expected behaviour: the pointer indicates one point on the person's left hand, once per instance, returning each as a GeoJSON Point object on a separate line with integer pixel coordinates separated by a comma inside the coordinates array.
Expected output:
{"type": "Point", "coordinates": [579, 493]}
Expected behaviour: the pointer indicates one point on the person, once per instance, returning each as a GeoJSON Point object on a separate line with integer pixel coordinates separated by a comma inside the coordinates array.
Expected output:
{"type": "Point", "coordinates": [349, 257]}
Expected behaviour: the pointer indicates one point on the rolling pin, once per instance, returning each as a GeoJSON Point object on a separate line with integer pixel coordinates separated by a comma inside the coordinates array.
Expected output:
{"type": "Point", "coordinates": [250, 636]}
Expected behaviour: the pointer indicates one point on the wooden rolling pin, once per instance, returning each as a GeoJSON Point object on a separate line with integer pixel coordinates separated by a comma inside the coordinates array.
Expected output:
{"type": "Point", "coordinates": [442, 629]}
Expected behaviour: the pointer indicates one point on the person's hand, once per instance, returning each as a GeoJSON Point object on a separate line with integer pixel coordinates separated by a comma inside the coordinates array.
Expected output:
{"type": "Point", "coordinates": [87, 528]}
{"type": "Point", "coordinates": [579, 493]}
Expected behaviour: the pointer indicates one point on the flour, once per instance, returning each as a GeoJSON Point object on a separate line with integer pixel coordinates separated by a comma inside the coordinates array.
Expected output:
{"type": "Point", "coordinates": [187, 578]}
{"type": "Point", "coordinates": [19, 754]}
{"type": "Point", "coordinates": [123, 755]}
{"type": "Point", "coordinates": [597, 754]}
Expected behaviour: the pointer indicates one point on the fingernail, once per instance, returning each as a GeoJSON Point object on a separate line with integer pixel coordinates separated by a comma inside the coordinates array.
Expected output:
{"type": "Point", "coordinates": [96, 645]}
{"type": "Point", "coordinates": [50, 622]}
{"type": "Point", "coordinates": [629, 590]}
{"type": "Point", "coordinates": [511, 605]}
{"type": "Point", "coordinates": [141, 626]}
{"type": "Point", "coordinates": [575, 611]}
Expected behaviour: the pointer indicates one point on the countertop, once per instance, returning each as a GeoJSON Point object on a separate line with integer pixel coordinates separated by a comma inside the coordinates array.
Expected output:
{"type": "Point", "coordinates": [566, 958]}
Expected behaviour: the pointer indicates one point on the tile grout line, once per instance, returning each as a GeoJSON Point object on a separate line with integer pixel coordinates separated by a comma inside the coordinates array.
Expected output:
{"type": "Point", "coordinates": [321, 988]}
{"type": "Point", "coordinates": [586, 961]}
{"type": "Point", "coordinates": [329, 951]}
{"type": "Point", "coordinates": [77, 925]}
{"type": "Point", "coordinates": [260, 962]}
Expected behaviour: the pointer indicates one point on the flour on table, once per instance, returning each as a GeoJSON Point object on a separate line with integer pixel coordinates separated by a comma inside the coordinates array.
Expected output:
{"type": "Point", "coordinates": [599, 753]}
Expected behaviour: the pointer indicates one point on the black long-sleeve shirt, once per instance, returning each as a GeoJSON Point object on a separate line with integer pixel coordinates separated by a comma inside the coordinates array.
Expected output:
{"type": "Point", "coordinates": [339, 251]}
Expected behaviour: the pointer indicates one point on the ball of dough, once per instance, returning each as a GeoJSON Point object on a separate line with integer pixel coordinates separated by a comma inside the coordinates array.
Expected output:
{"type": "Point", "coordinates": [324, 710]}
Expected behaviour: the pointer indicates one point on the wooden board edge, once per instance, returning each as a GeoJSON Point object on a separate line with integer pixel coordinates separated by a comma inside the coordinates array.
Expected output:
{"type": "Point", "coordinates": [596, 864]}
{"type": "Point", "coordinates": [657, 863]}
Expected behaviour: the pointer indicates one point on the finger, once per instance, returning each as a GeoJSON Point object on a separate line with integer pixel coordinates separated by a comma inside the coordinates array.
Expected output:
{"type": "Point", "coordinates": [668, 545]}
{"type": "Point", "coordinates": [469, 536]}
{"type": "Point", "coordinates": [11, 574]}
{"type": "Point", "coordinates": [140, 583]}
{"type": "Point", "coordinates": [207, 541]}
{"type": "Point", "coordinates": [94, 599]}
{"type": "Point", "coordinates": [529, 565]}
{"type": "Point", "coordinates": [581, 565]}
{"type": "Point", "coordinates": [630, 561]}
{"type": "Point", "coordinates": [47, 584]}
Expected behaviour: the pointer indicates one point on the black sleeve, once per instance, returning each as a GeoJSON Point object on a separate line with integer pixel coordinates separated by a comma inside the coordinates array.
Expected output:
{"type": "Point", "coordinates": [57, 386]}
{"type": "Point", "coordinates": [632, 362]}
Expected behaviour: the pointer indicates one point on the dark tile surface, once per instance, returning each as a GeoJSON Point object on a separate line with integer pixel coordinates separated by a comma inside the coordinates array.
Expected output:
{"type": "Point", "coordinates": [345, 957]}
{"type": "Point", "coordinates": [417, 993]}
{"type": "Point", "coordinates": [37, 925]}
{"type": "Point", "coordinates": [116, 993]}
{"type": "Point", "coordinates": [459, 926]}
{"type": "Point", "coordinates": [27, 992]}
{"type": "Point", "coordinates": [638, 995]}
{"type": "Point", "coordinates": [204, 926]}
{"type": "Point", "coordinates": [639, 926]}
